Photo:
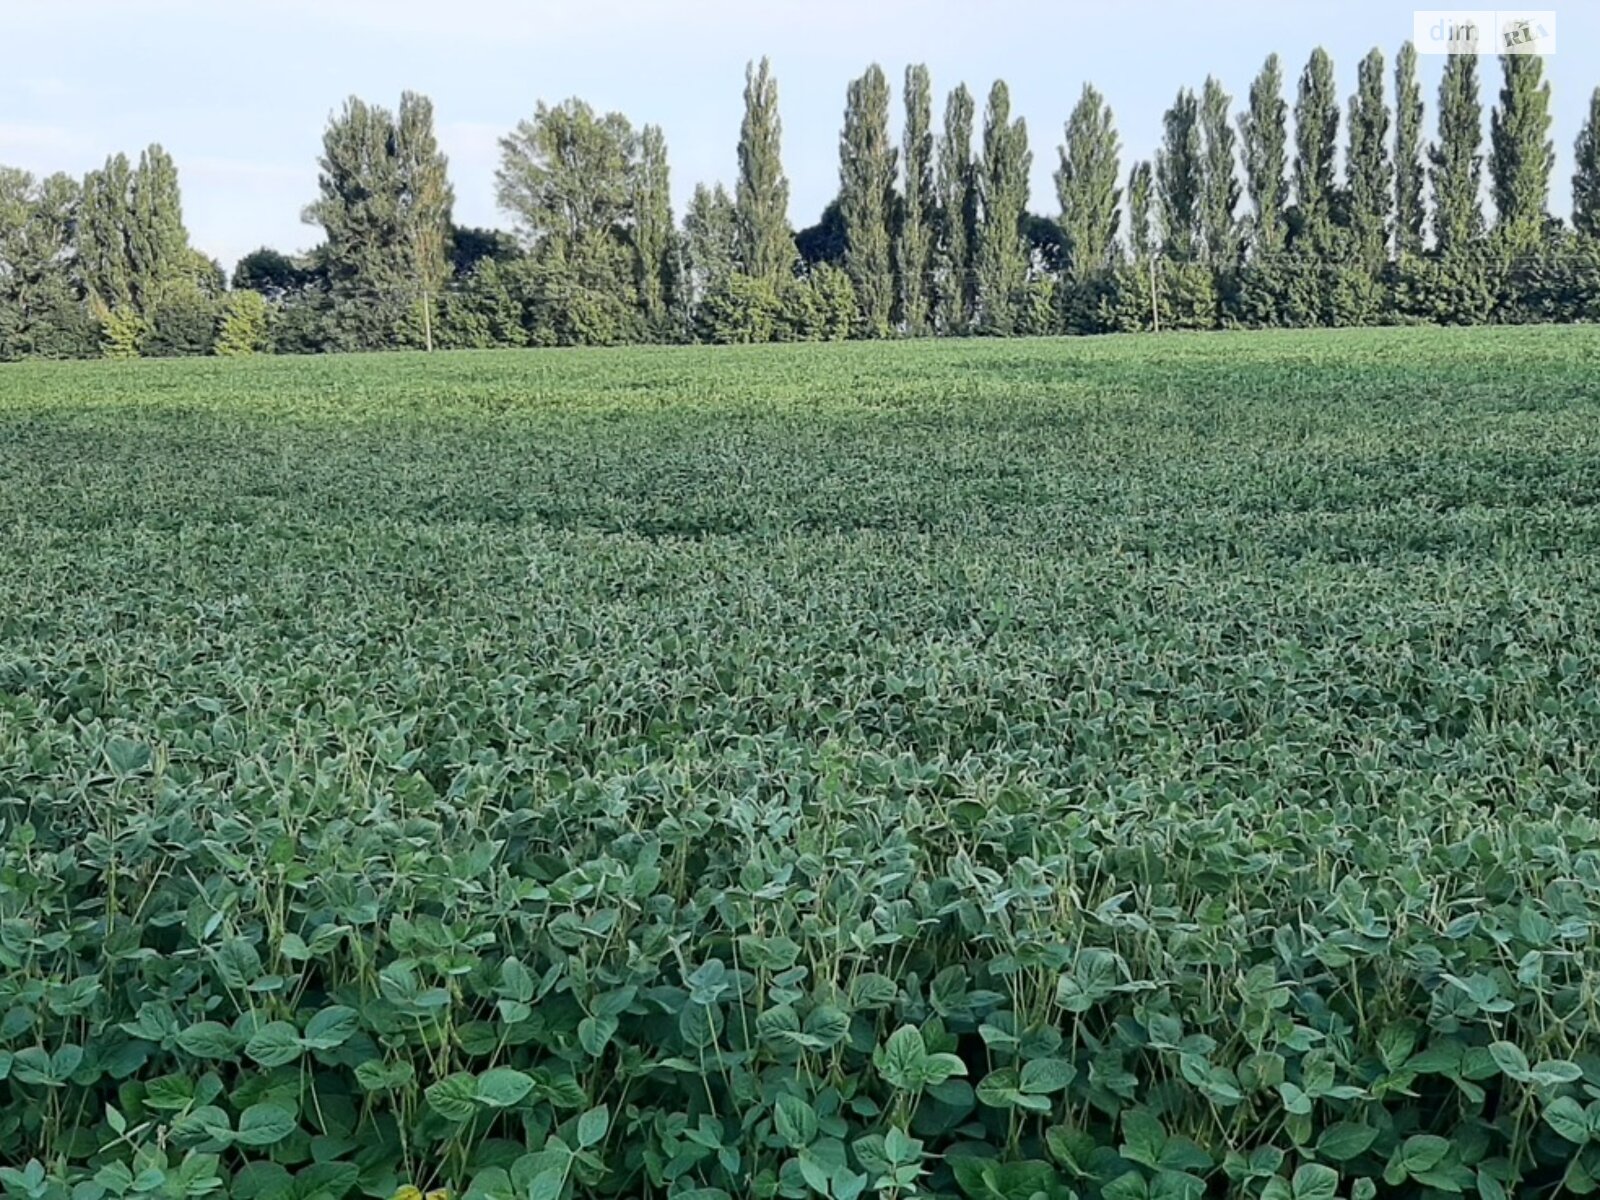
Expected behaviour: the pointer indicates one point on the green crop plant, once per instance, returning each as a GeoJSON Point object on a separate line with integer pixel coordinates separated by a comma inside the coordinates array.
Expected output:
{"type": "Point", "coordinates": [1124, 769]}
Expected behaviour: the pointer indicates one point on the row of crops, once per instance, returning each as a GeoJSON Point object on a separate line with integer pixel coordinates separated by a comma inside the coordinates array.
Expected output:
{"type": "Point", "coordinates": [1158, 768]}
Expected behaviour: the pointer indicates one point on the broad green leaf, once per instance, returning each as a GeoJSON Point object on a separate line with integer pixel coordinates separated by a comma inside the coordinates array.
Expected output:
{"type": "Point", "coordinates": [238, 963]}
{"type": "Point", "coordinates": [870, 991]}
{"type": "Point", "coordinates": [169, 1093]}
{"type": "Point", "coordinates": [209, 1039]}
{"type": "Point", "coordinates": [1553, 1072]}
{"type": "Point", "coordinates": [1128, 1186]}
{"type": "Point", "coordinates": [900, 1060]}
{"type": "Point", "coordinates": [1396, 1043]}
{"type": "Point", "coordinates": [265, 1125]}
{"type": "Point", "coordinates": [1295, 1101]}
{"type": "Point", "coordinates": [502, 1087]}
{"type": "Point", "coordinates": [998, 1089]}
{"type": "Point", "coordinates": [940, 1068]}
{"type": "Point", "coordinates": [453, 1097]}
{"type": "Point", "coordinates": [1176, 1185]}
{"type": "Point", "coordinates": [1567, 1117]}
{"type": "Point", "coordinates": [595, 1033]}
{"type": "Point", "coordinates": [825, 1027]}
{"type": "Point", "coordinates": [376, 1076]}
{"type": "Point", "coordinates": [795, 1121]}
{"type": "Point", "coordinates": [592, 1126]}
{"type": "Point", "coordinates": [330, 1028]}
{"type": "Point", "coordinates": [548, 1184]}
{"type": "Point", "coordinates": [1422, 1152]}
{"type": "Point", "coordinates": [274, 1044]}
{"type": "Point", "coordinates": [1511, 1061]}
{"type": "Point", "coordinates": [1345, 1140]}
{"type": "Point", "coordinates": [1045, 1076]}
{"type": "Point", "coordinates": [125, 756]}
{"type": "Point", "coordinates": [1142, 1137]}
{"type": "Point", "coordinates": [1315, 1182]}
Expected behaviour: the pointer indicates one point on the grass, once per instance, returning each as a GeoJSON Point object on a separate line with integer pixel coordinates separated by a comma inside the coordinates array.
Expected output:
{"type": "Point", "coordinates": [1126, 767]}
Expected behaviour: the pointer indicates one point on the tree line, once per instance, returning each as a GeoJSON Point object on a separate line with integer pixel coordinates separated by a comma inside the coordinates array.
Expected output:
{"type": "Point", "coordinates": [1241, 220]}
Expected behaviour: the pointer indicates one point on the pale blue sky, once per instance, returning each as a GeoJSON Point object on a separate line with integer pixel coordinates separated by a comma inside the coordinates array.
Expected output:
{"type": "Point", "coordinates": [239, 90]}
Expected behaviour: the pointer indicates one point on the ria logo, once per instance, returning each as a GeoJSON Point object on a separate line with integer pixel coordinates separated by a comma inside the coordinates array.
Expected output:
{"type": "Point", "coordinates": [1527, 35]}
{"type": "Point", "coordinates": [1484, 31]}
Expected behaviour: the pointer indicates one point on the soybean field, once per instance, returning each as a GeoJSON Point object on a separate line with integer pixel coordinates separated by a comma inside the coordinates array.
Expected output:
{"type": "Point", "coordinates": [1139, 768]}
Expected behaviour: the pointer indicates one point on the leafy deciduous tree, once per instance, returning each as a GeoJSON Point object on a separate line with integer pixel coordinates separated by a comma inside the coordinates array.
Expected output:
{"type": "Point", "coordinates": [40, 310]}
{"type": "Point", "coordinates": [384, 208]}
{"type": "Point", "coordinates": [242, 329]}
{"type": "Point", "coordinates": [570, 176]}
{"type": "Point", "coordinates": [711, 239]}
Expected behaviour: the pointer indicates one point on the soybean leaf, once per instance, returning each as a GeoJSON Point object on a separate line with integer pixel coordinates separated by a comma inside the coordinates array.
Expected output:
{"type": "Point", "coordinates": [502, 1087]}
{"type": "Point", "coordinates": [265, 1125]}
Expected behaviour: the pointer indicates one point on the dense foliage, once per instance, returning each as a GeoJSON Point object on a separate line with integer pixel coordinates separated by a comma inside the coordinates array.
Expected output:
{"type": "Point", "coordinates": [1118, 769]}
{"type": "Point", "coordinates": [1233, 223]}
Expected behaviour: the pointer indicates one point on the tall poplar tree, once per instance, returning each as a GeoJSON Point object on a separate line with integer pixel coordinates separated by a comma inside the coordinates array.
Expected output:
{"type": "Point", "coordinates": [1086, 185]}
{"type": "Point", "coordinates": [1264, 131]}
{"type": "Point", "coordinates": [1586, 172]}
{"type": "Point", "coordinates": [104, 217]}
{"type": "Point", "coordinates": [157, 242]}
{"type": "Point", "coordinates": [958, 215]}
{"type": "Point", "coordinates": [1521, 154]}
{"type": "Point", "coordinates": [711, 239]}
{"type": "Point", "coordinates": [866, 198]}
{"type": "Point", "coordinates": [1003, 201]}
{"type": "Point", "coordinates": [1457, 167]}
{"type": "Point", "coordinates": [1316, 131]}
{"type": "Point", "coordinates": [1180, 178]}
{"type": "Point", "coordinates": [1368, 171]}
{"type": "Point", "coordinates": [652, 230]}
{"type": "Point", "coordinates": [761, 196]}
{"type": "Point", "coordinates": [919, 214]}
{"type": "Point", "coordinates": [132, 244]}
{"type": "Point", "coordinates": [1408, 173]}
{"type": "Point", "coordinates": [1219, 182]}
{"type": "Point", "coordinates": [1141, 240]}
{"type": "Point", "coordinates": [423, 205]}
